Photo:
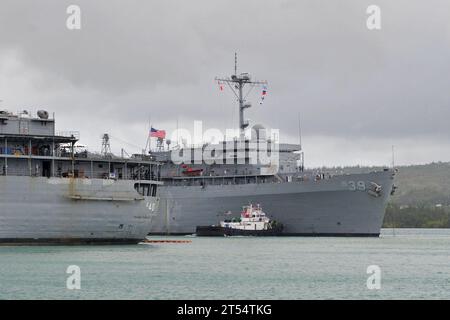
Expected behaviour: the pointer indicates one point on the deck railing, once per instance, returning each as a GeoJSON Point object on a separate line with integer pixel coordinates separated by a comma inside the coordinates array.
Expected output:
{"type": "Point", "coordinates": [68, 134]}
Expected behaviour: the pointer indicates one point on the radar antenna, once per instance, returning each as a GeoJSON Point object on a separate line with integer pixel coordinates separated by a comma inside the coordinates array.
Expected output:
{"type": "Point", "coordinates": [237, 83]}
{"type": "Point", "coordinates": [301, 166]}
{"type": "Point", "coordinates": [106, 146]}
{"type": "Point", "coordinates": [159, 144]}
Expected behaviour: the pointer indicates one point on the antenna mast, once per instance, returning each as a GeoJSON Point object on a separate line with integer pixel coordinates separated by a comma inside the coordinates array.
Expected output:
{"type": "Point", "coordinates": [237, 83]}
{"type": "Point", "coordinates": [393, 157]}
{"type": "Point", "coordinates": [301, 166]}
{"type": "Point", "coordinates": [299, 132]}
{"type": "Point", "coordinates": [106, 147]}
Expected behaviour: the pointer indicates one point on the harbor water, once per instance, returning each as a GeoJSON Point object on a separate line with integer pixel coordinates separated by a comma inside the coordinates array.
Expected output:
{"type": "Point", "coordinates": [414, 264]}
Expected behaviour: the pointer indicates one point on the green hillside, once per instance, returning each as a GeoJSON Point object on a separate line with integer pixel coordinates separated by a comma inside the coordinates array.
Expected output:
{"type": "Point", "coordinates": [423, 185]}
{"type": "Point", "coordinates": [422, 199]}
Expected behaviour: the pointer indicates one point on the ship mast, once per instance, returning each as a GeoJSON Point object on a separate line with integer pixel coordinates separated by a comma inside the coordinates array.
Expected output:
{"type": "Point", "coordinates": [237, 83]}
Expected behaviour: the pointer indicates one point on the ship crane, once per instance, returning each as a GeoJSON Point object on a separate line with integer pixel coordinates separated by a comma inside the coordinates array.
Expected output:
{"type": "Point", "coordinates": [237, 82]}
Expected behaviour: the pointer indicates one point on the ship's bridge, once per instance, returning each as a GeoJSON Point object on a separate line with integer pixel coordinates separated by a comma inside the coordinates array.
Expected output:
{"type": "Point", "coordinates": [24, 123]}
{"type": "Point", "coordinates": [24, 134]}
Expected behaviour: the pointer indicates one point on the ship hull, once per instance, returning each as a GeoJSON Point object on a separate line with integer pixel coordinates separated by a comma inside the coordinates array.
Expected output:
{"type": "Point", "coordinates": [337, 206]}
{"type": "Point", "coordinates": [65, 211]}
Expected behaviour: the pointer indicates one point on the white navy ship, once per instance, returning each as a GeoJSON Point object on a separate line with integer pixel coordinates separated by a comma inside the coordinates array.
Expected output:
{"type": "Point", "coordinates": [53, 192]}
{"type": "Point", "coordinates": [307, 203]}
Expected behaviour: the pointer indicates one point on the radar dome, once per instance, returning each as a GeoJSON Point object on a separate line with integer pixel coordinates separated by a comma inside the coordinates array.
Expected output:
{"type": "Point", "coordinates": [42, 114]}
{"type": "Point", "coordinates": [258, 132]}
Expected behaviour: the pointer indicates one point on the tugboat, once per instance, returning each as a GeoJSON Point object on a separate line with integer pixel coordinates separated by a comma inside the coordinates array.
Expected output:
{"type": "Point", "coordinates": [253, 222]}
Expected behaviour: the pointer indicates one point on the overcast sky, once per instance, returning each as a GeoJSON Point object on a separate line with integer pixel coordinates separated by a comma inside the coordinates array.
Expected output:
{"type": "Point", "coordinates": [358, 92]}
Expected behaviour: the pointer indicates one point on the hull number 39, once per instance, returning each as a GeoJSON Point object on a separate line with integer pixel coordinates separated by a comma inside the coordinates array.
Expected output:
{"type": "Point", "coordinates": [356, 185]}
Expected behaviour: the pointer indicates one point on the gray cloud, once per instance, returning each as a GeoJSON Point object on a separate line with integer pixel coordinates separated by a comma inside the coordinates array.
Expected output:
{"type": "Point", "coordinates": [135, 62]}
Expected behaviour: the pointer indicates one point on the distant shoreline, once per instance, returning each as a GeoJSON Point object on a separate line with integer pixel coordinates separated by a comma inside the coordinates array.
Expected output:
{"type": "Point", "coordinates": [420, 216]}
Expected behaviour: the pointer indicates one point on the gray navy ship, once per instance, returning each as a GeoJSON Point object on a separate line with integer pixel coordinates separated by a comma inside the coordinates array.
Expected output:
{"type": "Point", "coordinates": [307, 203]}
{"type": "Point", "coordinates": [52, 191]}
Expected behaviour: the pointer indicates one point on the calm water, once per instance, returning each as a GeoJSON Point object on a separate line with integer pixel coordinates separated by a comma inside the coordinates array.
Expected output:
{"type": "Point", "coordinates": [415, 264]}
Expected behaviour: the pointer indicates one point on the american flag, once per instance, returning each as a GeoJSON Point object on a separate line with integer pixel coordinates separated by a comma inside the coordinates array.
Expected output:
{"type": "Point", "coordinates": [157, 133]}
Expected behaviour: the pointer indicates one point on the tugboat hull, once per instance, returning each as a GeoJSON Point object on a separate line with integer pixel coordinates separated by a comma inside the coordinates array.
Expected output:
{"type": "Point", "coordinates": [217, 231]}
